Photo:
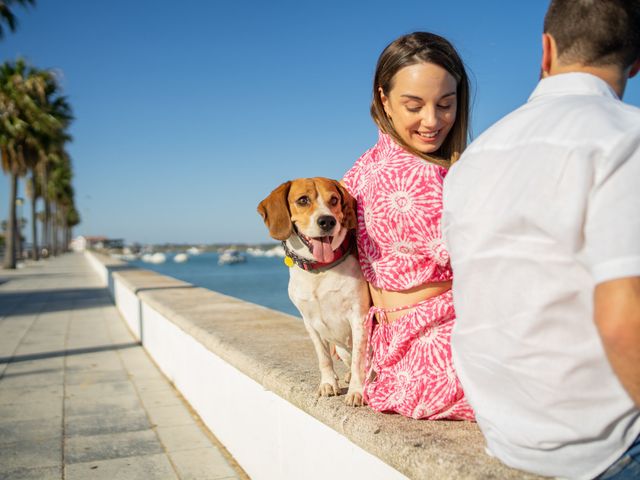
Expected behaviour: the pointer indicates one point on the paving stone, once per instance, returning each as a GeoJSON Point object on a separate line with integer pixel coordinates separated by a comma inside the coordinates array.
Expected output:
{"type": "Point", "coordinates": [170, 416]}
{"type": "Point", "coordinates": [29, 454]}
{"type": "Point", "coordinates": [80, 449]}
{"type": "Point", "coordinates": [89, 377]}
{"type": "Point", "coordinates": [38, 473]}
{"type": "Point", "coordinates": [98, 424]}
{"type": "Point", "coordinates": [151, 385]}
{"type": "Point", "coordinates": [202, 464]}
{"type": "Point", "coordinates": [12, 431]}
{"type": "Point", "coordinates": [28, 393]}
{"type": "Point", "coordinates": [102, 406]}
{"type": "Point", "coordinates": [160, 398]}
{"type": "Point", "coordinates": [45, 376]}
{"type": "Point", "coordinates": [149, 467]}
{"type": "Point", "coordinates": [100, 390]}
{"type": "Point", "coordinates": [53, 365]}
{"type": "Point", "coordinates": [31, 410]}
{"type": "Point", "coordinates": [183, 437]}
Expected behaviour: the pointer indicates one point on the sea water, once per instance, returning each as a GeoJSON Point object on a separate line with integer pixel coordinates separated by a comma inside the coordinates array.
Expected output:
{"type": "Point", "coordinates": [261, 280]}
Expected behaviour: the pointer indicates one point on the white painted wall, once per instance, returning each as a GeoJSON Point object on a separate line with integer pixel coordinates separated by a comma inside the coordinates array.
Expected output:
{"type": "Point", "coordinates": [268, 436]}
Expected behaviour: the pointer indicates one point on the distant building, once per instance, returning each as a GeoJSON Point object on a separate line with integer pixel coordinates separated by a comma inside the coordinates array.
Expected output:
{"type": "Point", "coordinates": [82, 243]}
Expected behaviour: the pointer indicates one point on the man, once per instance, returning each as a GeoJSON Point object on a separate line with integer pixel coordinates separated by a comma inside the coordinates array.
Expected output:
{"type": "Point", "coordinates": [542, 220]}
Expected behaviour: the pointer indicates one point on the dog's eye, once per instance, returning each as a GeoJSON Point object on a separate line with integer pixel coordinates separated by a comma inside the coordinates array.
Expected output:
{"type": "Point", "coordinates": [334, 201]}
{"type": "Point", "coordinates": [303, 201]}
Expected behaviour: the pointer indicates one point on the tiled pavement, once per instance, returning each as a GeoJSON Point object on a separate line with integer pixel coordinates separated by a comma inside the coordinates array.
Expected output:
{"type": "Point", "coordinates": [79, 398]}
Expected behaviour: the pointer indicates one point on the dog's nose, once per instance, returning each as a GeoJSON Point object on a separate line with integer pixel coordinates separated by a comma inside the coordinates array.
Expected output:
{"type": "Point", "coordinates": [326, 222]}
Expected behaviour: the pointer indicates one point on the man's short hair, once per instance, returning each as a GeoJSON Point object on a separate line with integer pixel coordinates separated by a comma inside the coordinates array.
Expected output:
{"type": "Point", "coordinates": [595, 32]}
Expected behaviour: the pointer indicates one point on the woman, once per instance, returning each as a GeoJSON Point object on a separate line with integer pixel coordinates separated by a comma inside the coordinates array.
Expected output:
{"type": "Point", "coordinates": [421, 106]}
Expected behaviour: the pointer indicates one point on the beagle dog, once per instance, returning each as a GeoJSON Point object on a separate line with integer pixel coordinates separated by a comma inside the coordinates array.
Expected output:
{"type": "Point", "coordinates": [315, 219]}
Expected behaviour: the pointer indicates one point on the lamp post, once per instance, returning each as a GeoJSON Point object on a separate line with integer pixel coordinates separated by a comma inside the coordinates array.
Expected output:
{"type": "Point", "coordinates": [18, 228]}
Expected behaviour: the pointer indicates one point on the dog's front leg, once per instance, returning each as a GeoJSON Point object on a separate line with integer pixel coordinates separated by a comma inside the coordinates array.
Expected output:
{"type": "Point", "coordinates": [328, 379]}
{"type": "Point", "coordinates": [354, 396]}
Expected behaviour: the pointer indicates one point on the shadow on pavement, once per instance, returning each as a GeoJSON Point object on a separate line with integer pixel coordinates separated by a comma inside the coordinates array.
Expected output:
{"type": "Point", "coordinates": [65, 353]}
{"type": "Point", "coordinates": [43, 301]}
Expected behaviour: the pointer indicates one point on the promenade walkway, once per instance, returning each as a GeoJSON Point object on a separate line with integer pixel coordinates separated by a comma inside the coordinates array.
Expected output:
{"type": "Point", "coordinates": [79, 397]}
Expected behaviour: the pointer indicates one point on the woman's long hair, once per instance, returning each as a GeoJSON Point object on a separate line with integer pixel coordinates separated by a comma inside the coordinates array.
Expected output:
{"type": "Point", "coordinates": [424, 47]}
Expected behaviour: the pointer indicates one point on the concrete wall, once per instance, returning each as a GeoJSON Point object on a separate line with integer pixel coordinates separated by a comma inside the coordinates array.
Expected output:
{"type": "Point", "coordinates": [251, 374]}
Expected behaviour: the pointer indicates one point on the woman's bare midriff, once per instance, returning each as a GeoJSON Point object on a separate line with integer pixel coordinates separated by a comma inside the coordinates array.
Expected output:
{"type": "Point", "coordinates": [388, 299]}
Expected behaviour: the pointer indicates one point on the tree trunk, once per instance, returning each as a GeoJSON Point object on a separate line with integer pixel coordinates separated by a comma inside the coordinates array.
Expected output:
{"type": "Point", "coordinates": [34, 226]}
{"type": "Point", "coordinates": [9, 239]}
{"type": "Point", "coordinates": [18, 231]}
{"type": "Point", "coordinates": [46, 224]}
{"type": "Point", "coordinates": [54, 230]}
{"type": "Point", "coordinates": [63, 230]}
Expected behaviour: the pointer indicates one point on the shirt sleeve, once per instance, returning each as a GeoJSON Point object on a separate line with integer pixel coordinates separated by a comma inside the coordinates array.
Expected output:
{"type": "Point", "coordinates": [612, 228]}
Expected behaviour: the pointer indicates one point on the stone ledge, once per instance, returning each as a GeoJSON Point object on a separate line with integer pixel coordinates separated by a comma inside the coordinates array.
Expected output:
{"type": "Point", "coordinates": [274, 349]}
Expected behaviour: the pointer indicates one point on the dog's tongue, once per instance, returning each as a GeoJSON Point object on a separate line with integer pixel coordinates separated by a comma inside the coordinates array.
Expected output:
{"type": "Point", "coordinates": [322, 251]}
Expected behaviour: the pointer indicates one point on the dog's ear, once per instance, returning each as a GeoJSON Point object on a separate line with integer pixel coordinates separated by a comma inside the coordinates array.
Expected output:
{"type": "Point", "coordinates": [274, 210]}
{"type": "Point", "coordinates": [349, 209]}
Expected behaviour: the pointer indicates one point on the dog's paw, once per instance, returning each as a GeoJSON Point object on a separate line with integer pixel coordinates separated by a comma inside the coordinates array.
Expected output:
{"type": "Point", "coordinates": [354, 399]}
{"type": "Point", "coordinates": [328, 390]}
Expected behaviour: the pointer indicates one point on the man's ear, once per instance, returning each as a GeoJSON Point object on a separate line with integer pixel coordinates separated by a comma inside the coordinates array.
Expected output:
{"type": "Point", "coordinates": [548, 51]}
{"type": "Point", "coordinates": [274, 210]}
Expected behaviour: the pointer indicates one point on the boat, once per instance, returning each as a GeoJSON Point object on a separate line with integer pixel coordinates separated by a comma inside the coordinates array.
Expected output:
{"type": "Point", "coordinates": [180, 258]}
{"type": "Point", "coordinates": [157, 257]}
{"type": "Point", "coordinates": [230, 257]}
{"type": "Point", "coordinates": [194, 251]}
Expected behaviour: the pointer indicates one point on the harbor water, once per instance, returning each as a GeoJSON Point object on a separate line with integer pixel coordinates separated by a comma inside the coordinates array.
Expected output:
{"type": "Point", "coordinates": [261, 280]}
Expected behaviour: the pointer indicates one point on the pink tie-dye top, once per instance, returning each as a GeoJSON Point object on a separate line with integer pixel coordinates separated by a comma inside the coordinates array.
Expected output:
{"type": "Point", "coordinates": [399, 199]}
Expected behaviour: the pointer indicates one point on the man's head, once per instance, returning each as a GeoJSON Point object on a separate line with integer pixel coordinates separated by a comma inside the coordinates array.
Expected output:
{"type": "Point", "coordinates": [593, 34]}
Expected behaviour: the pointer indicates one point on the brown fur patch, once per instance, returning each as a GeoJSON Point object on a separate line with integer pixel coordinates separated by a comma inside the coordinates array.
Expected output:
{"type": "Point", "coordinates": [296, 200]}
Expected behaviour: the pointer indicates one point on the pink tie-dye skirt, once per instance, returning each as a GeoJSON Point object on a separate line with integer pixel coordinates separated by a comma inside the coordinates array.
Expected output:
{"type": "Point", "coordinates": [409, 367]}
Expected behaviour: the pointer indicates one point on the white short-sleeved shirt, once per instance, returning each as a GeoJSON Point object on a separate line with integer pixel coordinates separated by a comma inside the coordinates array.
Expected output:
{"type": "Point", "coordinates": [541, 208]}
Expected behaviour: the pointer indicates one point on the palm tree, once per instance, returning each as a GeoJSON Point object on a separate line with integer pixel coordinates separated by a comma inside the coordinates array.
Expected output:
{"type": "Point", "coordinates": [53, 154]}
{"type": "Point", "coordinates": [26, 124]}
{"type": "Point", "coordinates": [12, 133]}
{"type": "Point", "coordinates": [7, 16]}
{"type": "Point", "coordinates": [60, 192]}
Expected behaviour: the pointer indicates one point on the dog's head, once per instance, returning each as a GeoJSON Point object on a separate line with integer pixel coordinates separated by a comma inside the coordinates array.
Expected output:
{"type": "Point", "coordinates": [321, 210]}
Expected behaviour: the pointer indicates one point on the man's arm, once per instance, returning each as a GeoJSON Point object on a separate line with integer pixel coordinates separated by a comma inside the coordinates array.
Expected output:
{"type": "Point", "coordinates": [617, 316]}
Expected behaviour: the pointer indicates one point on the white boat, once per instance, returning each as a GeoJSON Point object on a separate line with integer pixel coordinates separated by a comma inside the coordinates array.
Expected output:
{"type": "Point", "coordinates": [181, 258]}
{"type": "Point", "coordinates": [157, 257]}
{"type": "Point", "coordinates": [194, 251]}
{"type": "Point", "coordinates": [277, 251]}
{"type": "Point", "coordinates": [230, 257]}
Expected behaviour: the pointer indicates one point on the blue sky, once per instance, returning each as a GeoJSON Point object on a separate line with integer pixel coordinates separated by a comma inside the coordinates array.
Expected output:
{"type": "Point", "coordinates": [189, 113]}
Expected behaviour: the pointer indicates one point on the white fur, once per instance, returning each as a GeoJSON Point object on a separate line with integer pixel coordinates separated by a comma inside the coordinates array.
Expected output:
{"type": "Point", "coordinates": [321, 209]}
{"type": "Point", "coordinates": [333, 304]}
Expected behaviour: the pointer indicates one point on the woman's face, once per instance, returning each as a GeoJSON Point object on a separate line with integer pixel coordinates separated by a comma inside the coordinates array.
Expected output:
{"type": "Point", "coordinates": [422, 105]}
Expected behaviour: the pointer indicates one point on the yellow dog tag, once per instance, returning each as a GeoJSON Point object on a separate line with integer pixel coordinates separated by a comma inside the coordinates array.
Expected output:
{"type": "Point", "coordinates": [288, 261]}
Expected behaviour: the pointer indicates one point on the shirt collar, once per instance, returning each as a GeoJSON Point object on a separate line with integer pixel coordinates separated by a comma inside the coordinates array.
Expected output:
{"type": "Point", "coordinates": [574, 83]}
